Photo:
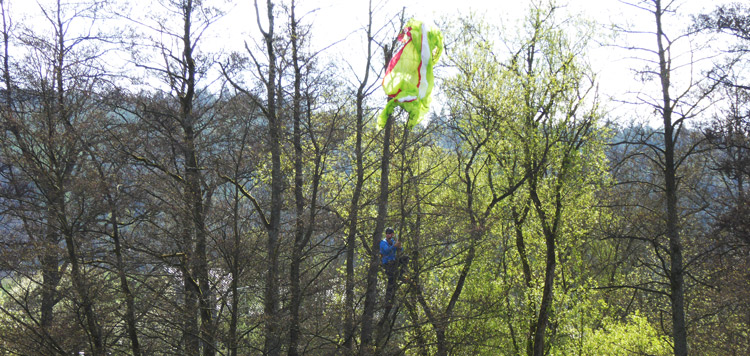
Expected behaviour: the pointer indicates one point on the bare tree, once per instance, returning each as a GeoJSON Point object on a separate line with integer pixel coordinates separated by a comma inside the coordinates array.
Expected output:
{"type": "Point", "coordinates": [669, 150]}
{"type": "Point", "coordinates": [52, 121]}
{"type": "Point", "coordinates": [267, 72]}
{"type": "Point", "coordinates": [172, 53]}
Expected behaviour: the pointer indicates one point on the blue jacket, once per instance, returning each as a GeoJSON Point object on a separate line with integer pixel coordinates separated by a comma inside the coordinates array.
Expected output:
{"type": "Point", "coordinates": [388, 251]}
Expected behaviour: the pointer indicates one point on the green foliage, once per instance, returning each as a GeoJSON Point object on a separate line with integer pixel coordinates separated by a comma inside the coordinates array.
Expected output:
{"type": "Point", "coordinates": [633, 336]}
{"type": "Point", "coordinates": [524, 117]}
{"type": "Point", "coordinates": [513, 171]}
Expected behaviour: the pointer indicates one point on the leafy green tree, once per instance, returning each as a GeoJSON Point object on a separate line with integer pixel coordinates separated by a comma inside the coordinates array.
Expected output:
{"type": "Point", "coordinates": [525, 128]}
{"type": "Point", "coordinates": [483, 176]}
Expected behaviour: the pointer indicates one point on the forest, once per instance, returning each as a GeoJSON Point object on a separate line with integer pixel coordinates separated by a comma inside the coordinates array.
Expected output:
{"type": "Point", "coordinates": [167, 192]}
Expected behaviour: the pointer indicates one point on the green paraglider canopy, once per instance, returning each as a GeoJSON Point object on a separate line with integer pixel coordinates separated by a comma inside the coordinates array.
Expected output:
{"type": "Point", "coordinates": [408, 79]}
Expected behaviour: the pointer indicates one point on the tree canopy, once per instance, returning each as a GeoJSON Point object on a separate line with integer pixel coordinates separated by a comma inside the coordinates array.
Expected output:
{"type": "Point", "coordinates": [167, 188]}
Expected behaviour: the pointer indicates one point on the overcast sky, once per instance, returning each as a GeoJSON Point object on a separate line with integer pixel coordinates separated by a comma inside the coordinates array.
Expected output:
{"type": "Point", "coordinates": [613, 67]}
{"type": "Point", "coordinates": [334, 21]}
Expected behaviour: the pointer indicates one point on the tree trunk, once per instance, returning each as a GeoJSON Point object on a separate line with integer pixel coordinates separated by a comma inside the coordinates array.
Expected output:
{"type": "Point", "coordinates": [371, 295]}
{"type": "Point", "coordinates": [235, 274]}
{"type": "Point", "coordinates": [676, 276]}
{"type": "Point", "coordinates": [190, 331]}
{"type": "Point", "coordinates": [547, 297]}
{"type": "Point", "coordinates": [349, 321]}
{"type": "Point", "coordinates": [416, 246]}
{"type": "Point", "coordinates": [50, 279]}
{"type": "Point", "coordinates": [58, 192]}
{"type": "Point", "coordinates": [299, 199]}
{"type": "Point", "coordinates": [550, 228]}
{"type": "Point", "coordinates": [441, 343]}
{"type": "Point", "coordinates": [518, 221]}
{"type": "Point", "coordinates": [81, 288]}
{"type": "Point", "coordinates": [272, 345]}
{"type": "Point", "coordinates": [130, 321]}
{"type": "Point", "coordinates": [195, 190]}
{"type": "Point", "coordinates": [351, 238]}
{"type": "Point", "coordinates": [200, 259]}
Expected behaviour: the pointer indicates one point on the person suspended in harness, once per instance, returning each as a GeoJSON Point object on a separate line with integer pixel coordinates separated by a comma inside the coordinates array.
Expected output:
{"type": "Point", "coordinates": [392, 261]}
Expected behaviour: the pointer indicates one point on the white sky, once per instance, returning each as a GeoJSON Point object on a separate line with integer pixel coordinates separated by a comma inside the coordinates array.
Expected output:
{"type": "Point", "coordinates": [613, 66]}
{"type": "Point", "coordinates": [335, 20]}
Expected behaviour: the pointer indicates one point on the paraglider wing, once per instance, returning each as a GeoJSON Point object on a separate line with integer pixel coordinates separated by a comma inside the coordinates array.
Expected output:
{"type": "Point", "coordinates": [408, 79]}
